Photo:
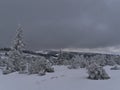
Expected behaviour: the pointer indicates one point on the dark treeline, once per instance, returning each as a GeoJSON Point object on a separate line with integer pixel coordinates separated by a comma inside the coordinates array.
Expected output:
{"type": "Point", "coordinates": [31, 52]}
{"type": "Point", "coordinates": [65, 55]}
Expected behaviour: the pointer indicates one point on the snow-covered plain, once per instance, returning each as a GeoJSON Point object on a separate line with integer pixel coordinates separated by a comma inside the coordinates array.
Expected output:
{"type": "Point", "coordinates": [61, 79]}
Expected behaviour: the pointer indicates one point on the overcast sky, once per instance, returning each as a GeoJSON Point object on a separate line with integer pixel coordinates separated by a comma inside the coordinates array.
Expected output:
{"type": "Point", "coordinates": [61, 23]}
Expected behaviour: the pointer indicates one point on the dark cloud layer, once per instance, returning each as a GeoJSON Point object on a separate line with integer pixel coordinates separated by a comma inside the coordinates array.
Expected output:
{"type": "Point", "coordinates": [61, 23]}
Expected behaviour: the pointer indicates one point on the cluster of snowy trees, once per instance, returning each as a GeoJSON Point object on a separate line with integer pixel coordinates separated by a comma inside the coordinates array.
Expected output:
{"type": "Point", "coordinates": [66, 58]}
{"type": "Point", "coordinates": [94, 64]}
{"type": "Point", "coordinates": [81, 60]}
{"type": "Point", "coordinates": [18, 61]}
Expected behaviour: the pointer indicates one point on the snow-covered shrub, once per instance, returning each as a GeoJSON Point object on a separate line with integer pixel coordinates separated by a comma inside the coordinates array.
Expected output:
{"type": "Point", "coordinates": [74, 63]}
{"type": "Point", "coordinates": [48, 66]}
{"type": "Point", "coordinates": [117, 59]}
{"type": "Point", "coordinates": [53, 60]}
{"type": "Point", "coordinates": [39, 65]}
{"type": "Point", "coordinates": [77, 62]}
{"type": "Point", "coordinates": [42, 72]}
{"type": "Point", "coordinates": [97, 72]}
{"type": "Point", "coordinates": [6, 72]}
{"type": "Point", "coordinates": [83, 61]}
{"type": "Point", "coordinates": [64, 58]}
{"type": "Point", "coordinates": [2, 62]}
{"type": "Point", "coordinates": [56, 61]}
{"type": "Point", "coordinates": [110, 61]}
{"type": "Point", "coordinates": [9, 67]}
{"type": "Point", "coordinates": [99, 59]}
{"type": "Point", "coordinates": [17, 60]}
{"type": "Point", "coordinates": [66, 62]}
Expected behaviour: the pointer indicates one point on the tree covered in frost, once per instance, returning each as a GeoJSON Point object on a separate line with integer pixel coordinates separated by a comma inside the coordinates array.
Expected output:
{"type": "Point", "coordinates": [110, 61]}
{"type": "Point", "coordinates": [39, 65]}
{"type": "Point", "coordinates": [18, 42]}
{"type": "Point", "coordinates": [83, 61]}
{"type": "Point", "coordinates": [117, 59]}
{"type": "Point", "coordinates": [115, 62]}
{"type": "Point", "coordinates": [77, 62]}
{"type": "Point", "coordinates": [96, 72]}
{"type": "Point", "coordinates": [60, 59]}
{"type": "Point", "coordinates": [99, 59]}
{"type": "Point", "coordinates": [53, 60]}
{"type": "Point", "coordinates": [16, 61]}
{"type": "Point", "coordinates": [2, 61]}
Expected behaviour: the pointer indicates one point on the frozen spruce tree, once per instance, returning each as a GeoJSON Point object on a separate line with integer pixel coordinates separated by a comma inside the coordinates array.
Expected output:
{"type": "Point", "coordinates": [18, 42]}
{"type": "Point", "coordinates": [16, 60]}
{"type": "Point", "coordinates": [97, 72]}
{"type": "Point", "coordinates": [60, 58]}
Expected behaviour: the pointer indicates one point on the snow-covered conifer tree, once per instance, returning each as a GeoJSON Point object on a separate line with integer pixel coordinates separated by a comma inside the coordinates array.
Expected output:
{"type": "Point", "coordinates": [16, 60]}
{"type": "Point", "coordinates": [96, 72]}
{"type": "Point", "coordinates": [60, 58]}
{"type": "Point", "coordinates": [83, 61]}
{"type": "Point", "coordinates": [18, 42]}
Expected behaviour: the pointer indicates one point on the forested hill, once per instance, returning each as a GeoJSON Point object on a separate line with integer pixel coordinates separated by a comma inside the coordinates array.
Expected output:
{"type": "Point", "coordinates": [63, 54]}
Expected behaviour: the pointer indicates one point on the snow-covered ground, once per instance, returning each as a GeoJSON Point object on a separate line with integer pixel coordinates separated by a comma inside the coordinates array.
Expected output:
{"type": "Point", "coordinates": [61, 79]}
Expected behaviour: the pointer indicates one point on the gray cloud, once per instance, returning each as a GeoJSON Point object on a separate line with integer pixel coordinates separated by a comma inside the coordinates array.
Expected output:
{"type": "Point", "coordinates": [61, 23]}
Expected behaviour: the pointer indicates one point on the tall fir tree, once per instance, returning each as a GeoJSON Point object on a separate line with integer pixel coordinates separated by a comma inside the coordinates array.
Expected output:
{"type": "Point", "coordinates": [16, 61]}
{"type": "Point", "coordinates": [18, 42]}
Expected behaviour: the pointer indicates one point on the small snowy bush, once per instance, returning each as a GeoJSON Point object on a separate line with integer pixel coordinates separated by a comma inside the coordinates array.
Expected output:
{"type": "Point", "coordinates": [39, 65]}
{"type": "Point", "coordinates": [77, 62]}
{"type": "Point", "coordinates": [97, 72]}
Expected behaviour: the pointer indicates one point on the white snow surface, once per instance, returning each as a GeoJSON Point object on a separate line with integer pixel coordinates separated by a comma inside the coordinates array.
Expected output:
{"type": "Point", "coordinates": [61, 79]}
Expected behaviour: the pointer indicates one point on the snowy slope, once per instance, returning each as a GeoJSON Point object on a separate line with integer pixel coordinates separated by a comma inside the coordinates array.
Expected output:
{"type": "Point", "coordinates": [62, 79]}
